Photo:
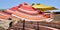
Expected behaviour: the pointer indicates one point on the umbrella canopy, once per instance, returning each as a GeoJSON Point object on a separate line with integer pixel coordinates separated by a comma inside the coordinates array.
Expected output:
{"type": "Point", "coordinates": [42, 7]}
{"type": "Point", "coordinates": [4, 15]}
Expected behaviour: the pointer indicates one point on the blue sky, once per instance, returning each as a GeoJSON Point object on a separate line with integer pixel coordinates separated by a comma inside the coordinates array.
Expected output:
{"type": "Point", "coordinates": [4, 4]}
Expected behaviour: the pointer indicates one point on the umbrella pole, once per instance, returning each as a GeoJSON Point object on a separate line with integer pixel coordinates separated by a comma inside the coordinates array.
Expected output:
{"type": "Point", "coordinates": [23, 24]}
{"type": "Point", "coordinates": [37, 25]}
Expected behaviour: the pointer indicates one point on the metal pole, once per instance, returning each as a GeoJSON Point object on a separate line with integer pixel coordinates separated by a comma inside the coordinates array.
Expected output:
{"type": "Point", "coordinates": [37, 25]}
{"type": "Point", "coordinates": [23, 24]}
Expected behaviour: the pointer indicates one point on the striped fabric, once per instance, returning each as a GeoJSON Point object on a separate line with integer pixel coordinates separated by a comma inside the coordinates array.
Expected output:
{"type": "Point", "coordinates": [22, 14]}
{"type": "Point", "coordinates": [28, 9]}
{"type": "Point", "coordinates": [11, 10]}
{"type": "Point", "coordinates": [4, 15]}
{"type": "Point", "coordinates": [28, 17]}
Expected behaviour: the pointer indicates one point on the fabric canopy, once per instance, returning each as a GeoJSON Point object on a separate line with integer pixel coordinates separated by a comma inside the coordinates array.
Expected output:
{"type": "Point", "coordinates": [42, 7]}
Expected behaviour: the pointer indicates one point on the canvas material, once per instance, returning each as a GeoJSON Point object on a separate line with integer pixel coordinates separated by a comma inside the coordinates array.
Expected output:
{"type": "Point", "coordinates": [5, 23]}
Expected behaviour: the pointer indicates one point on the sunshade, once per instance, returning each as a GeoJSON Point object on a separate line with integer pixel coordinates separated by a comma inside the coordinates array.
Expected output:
{"type": "Point", "coordinates": [43, 7]}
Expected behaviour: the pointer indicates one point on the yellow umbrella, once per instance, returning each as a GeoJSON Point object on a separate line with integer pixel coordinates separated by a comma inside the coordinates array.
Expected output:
{"type": "Point", "coordinates": [42, 7]}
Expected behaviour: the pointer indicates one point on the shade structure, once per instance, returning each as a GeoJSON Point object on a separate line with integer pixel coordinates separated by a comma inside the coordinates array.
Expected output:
{"type": "Point", "coordinates": [11, 10]}
{"type": "Point", "coordinates": [29, 17]}
{"type": "Point", "coordinates": [28, 13]}
{"type": "Point", "coordinates": [26, 8]}
{"type": "Point", "coordinates": [4, 16]}
{"type": "Point", "coordinates": [43, 7]}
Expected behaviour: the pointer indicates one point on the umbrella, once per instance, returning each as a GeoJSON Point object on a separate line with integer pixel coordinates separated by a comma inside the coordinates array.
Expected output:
{"type": "Point", "coordinates": [43, 7]}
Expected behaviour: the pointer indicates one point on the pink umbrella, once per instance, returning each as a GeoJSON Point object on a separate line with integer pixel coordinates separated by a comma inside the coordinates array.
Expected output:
{"type": "Point", "coordinates": [27, 13]}
{"type": "Point", "coordinates": [4, 16]}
